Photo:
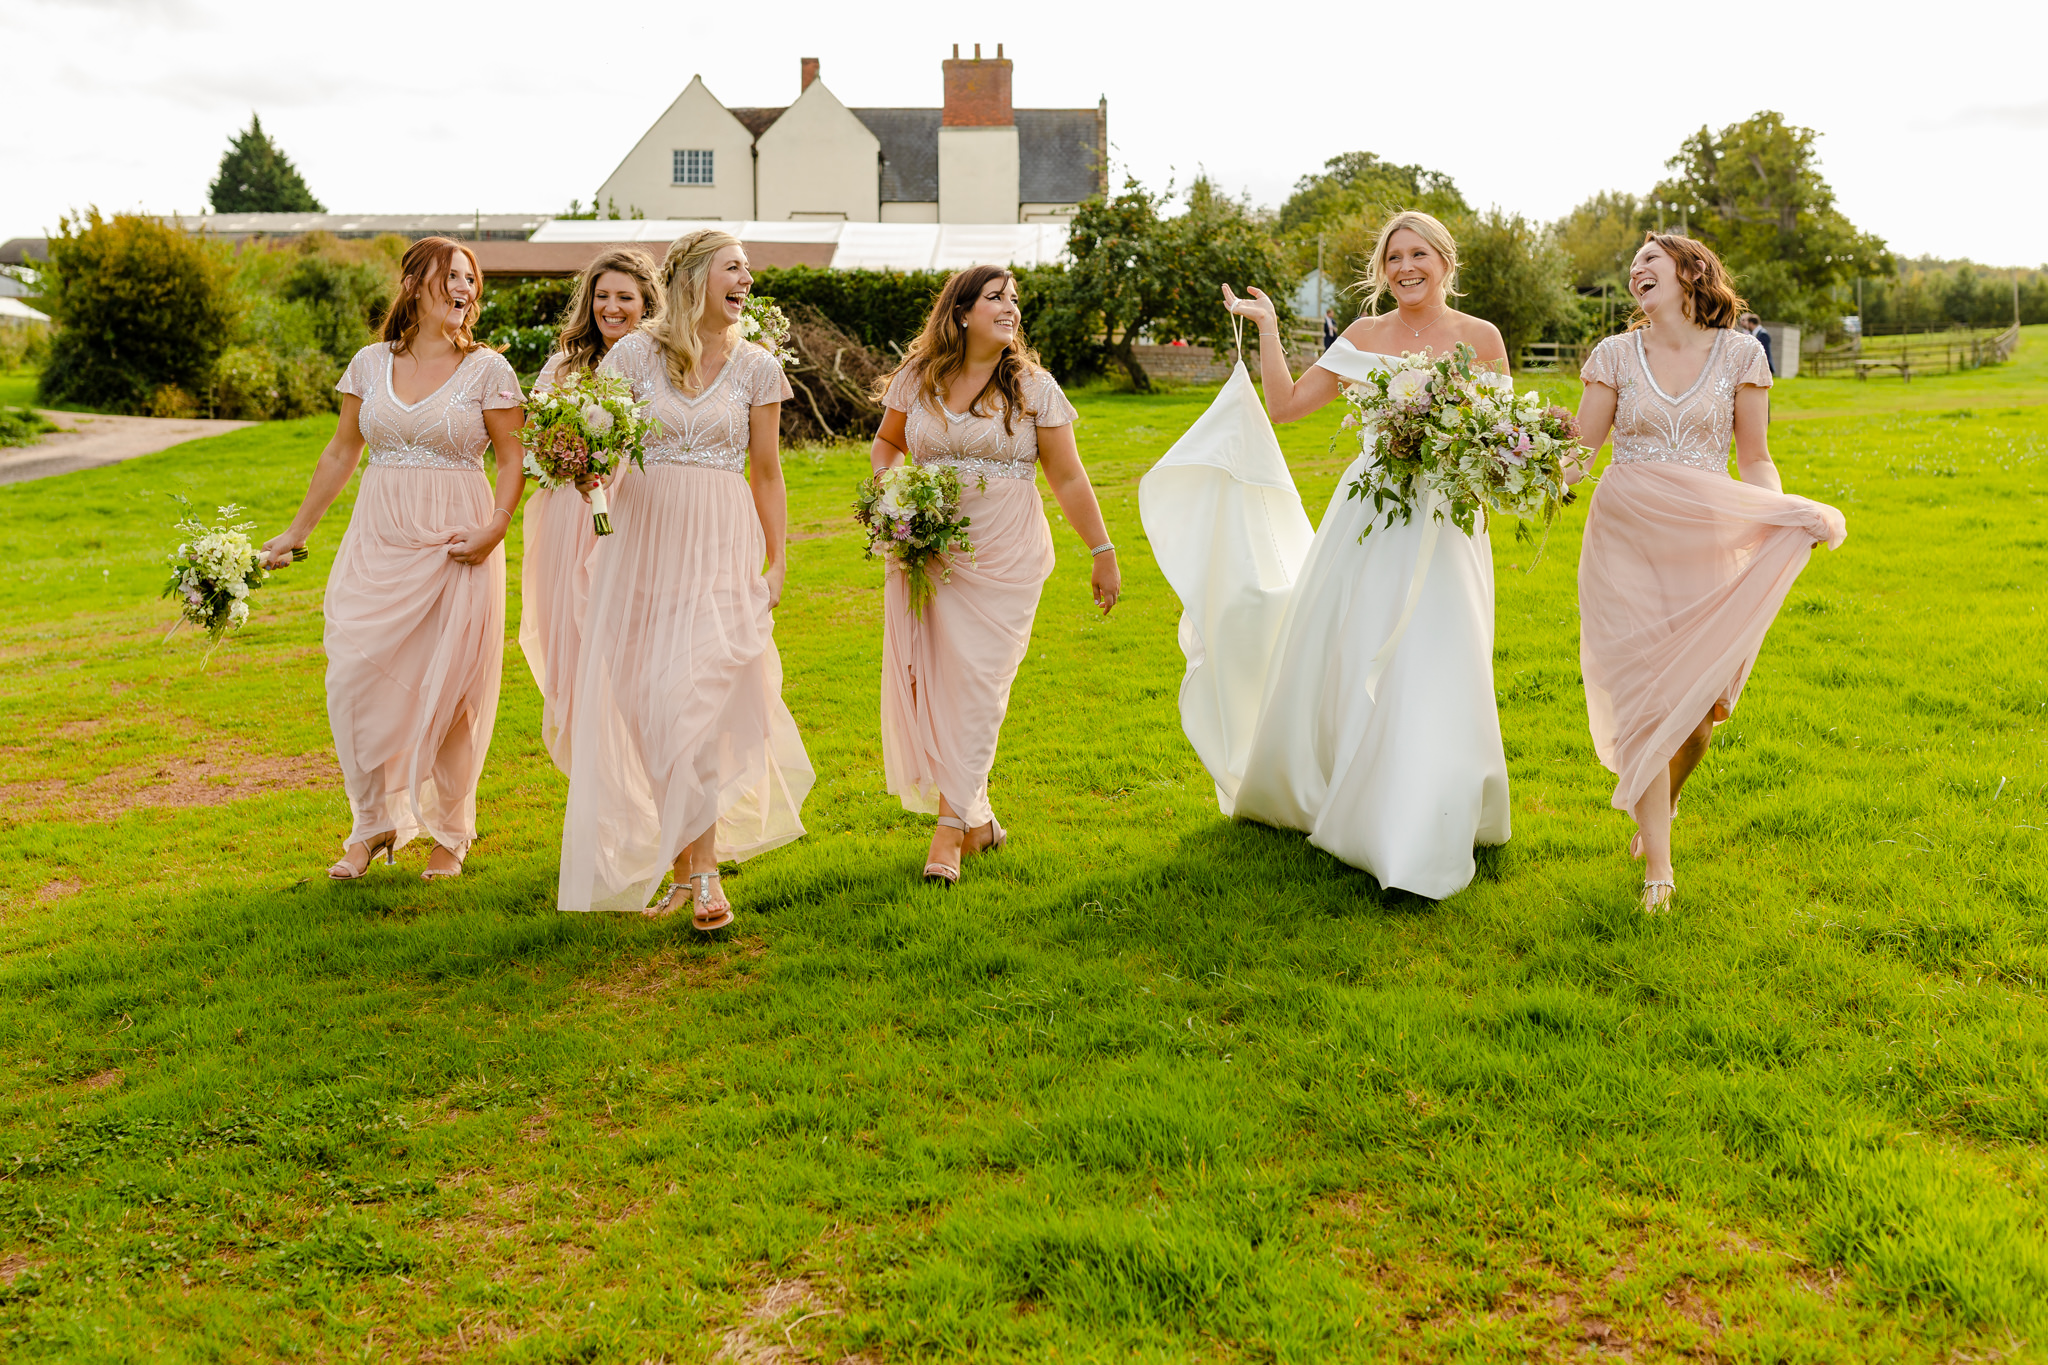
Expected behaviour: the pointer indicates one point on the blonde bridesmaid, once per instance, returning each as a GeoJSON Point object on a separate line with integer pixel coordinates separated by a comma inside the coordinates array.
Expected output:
{"type": "Point", "coordinates": [683, 753]}
{"type": "Point", "coordinates": [613, 295]}
{"type": "Point", "coordinates": [1683, 568]}
{"type": "Point", "coordinates": [415, 604]}
{"type": "Point", "coordinates": [971, 394]}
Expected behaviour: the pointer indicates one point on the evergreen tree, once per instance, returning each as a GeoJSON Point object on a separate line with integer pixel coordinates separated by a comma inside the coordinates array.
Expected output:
{"type": "Point", "coordinates": [255, 177]}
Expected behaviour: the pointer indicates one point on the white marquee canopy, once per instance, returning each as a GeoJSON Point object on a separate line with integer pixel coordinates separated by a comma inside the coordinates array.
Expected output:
{"type": "Point", "coordinates": [856, 246]}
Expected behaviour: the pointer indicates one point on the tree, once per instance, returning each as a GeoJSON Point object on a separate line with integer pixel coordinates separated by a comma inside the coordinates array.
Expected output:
{"type": "Point", "coordinates": [1754, 193]}
{"type": "Point", "coordinates": [1599, 238]}
{"type": "Point", "coordinates": [1513, 274]}
{"type": "Point", "coordinates": [256, 177]}
{"type": "Point", "coordinates": [1361, 184]}
{"type": "Point", "coordinates": [143, 310]}
{"type": "Point", "coordinates": [1136, 271]}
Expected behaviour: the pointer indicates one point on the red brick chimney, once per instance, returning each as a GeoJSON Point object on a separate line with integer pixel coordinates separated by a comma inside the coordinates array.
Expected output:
{"type": "Point", "coordinates": [978, 91]}
{"type": "Point", "coordinates": [810, 73]}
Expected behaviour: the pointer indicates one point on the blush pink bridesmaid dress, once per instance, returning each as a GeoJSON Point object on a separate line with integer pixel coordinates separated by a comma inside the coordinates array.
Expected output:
{"type": "Point", "coordinates": [1683, 568]}
{"type": "Point", "coordinates": [558, 542]}
{"type": "Point", "coordinates": [416, 640]}
{"type": "Point", "coordinates": [679, 722]}
{"type": "Point", "coordinates": [946, 676]}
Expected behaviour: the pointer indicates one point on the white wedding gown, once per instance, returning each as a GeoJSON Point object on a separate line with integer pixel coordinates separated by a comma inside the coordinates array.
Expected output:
{"type": "Point", "coordinates": [1389, 758]}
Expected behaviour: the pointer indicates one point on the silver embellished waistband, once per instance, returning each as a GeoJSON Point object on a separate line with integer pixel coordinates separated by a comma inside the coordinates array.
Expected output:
{"type": "Point", "coordinates": [731, 459]}
{"type": "Point", "coordinates": [981, 467]}
{"type": "Point", "coordinates": [421, 457]}
{"type": "Point", "coordinates": [1696, 459]}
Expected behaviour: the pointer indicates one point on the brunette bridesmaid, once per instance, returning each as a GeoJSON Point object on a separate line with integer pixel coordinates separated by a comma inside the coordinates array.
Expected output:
{"type": "Point", "coordinates": [683, 753]}
{"type": "Point", "coordinates": [971, 394]}
{"type": "Point", "coordinates": [415, 603]}
{"type": "Point", "coordinates": [1683, 568]}
{"type": "Point", "coordinates": [613, 295]}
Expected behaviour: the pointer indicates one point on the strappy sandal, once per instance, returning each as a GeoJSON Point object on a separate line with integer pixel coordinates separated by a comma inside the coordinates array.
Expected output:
{"type": "Point", "coordinates": [434, 874]}
{"type": "Point", "coordinates": [939, 872]}
{"type": "Point", "coordinates": [706, 915]}
{"type": "Point", "coordinates": [1657, 895]}
{"type": "Point", "coordinates": [997, 835]}
{"type": "Point", "coordinates": [386, 844]}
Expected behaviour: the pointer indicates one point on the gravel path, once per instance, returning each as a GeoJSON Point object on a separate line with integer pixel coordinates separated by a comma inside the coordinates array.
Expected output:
{"type": "Point", "coordinates": [88, 440]}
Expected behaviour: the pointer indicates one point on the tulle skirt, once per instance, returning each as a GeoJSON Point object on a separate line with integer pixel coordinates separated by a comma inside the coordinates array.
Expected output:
{"type": "Point", "coordinates": [946, 677]}
{"type": "Point", "coordinates": [1681, 574]}
{"type": "Point", "coordinates": [554, 593]}
{"type": "Point", "coordinates": [415, 642]}
{"type": "Point", "coordinates": [678, 721]}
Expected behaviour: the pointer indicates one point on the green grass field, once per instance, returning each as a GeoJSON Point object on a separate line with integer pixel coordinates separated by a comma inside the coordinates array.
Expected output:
{"type": "Point", "coordinates": [1148, 1086]}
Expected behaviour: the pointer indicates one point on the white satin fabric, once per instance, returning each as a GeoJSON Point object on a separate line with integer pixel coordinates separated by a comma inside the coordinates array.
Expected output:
{"type": "Point", "coordinates": [1400, 774]}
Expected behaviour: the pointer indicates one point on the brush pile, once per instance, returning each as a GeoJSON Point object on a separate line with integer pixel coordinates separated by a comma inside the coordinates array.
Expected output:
{"type": "Point", "coordinates": [834, 379]}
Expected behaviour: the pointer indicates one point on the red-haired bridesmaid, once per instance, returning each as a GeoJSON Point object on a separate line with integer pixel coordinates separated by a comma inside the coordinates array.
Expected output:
{"type": "Point", "coordinates": [415, 603]}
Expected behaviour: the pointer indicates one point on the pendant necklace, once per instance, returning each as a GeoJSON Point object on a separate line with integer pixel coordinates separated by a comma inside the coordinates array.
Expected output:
{"type": "Point", "coordinates": [1441, 310]}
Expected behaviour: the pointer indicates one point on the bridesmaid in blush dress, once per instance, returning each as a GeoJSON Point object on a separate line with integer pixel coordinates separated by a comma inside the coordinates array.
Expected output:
{"type": "Point", "coordinates": [1683, 569]}
{"type": "Point", "coordinates": [614, 294]}
{"type": "Point", "coordinates": [683, 752]}
{"type": "Point", "coordinates": [971, 394]}
{"type": "Point", "coordinates": [415, 604]}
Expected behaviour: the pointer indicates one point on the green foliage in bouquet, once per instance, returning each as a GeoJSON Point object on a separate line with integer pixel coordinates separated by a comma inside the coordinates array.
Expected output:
{"type": "Point", "coordinates": [912, 515]}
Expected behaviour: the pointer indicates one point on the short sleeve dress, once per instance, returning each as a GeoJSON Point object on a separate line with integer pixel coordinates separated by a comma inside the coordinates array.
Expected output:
{"type": "Point", "coordinates": [1683, 568]}
{"type": "Point", "coordinates": [559, 541]}
{"type": "Point", "coordinates": [678, 722]}
{"type": "Point", "coordinates": [415, 640]}
{"type": "Point", "coordinates": [946, 676]}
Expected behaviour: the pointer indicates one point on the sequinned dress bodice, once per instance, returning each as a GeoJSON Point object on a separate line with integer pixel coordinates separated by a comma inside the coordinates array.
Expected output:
{"type": "Point", "coordinates": [976, 444]}
{"type": "Point", "coordinates": [444, 430]}
{"type": "Point", "coordinates": [713, 428]}
{"type": "Point", "coordinates": [1694, 428]}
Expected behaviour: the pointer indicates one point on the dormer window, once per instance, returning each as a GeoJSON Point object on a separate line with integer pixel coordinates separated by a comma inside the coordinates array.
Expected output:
{"type": "Point", "coordinates": [691, 166]}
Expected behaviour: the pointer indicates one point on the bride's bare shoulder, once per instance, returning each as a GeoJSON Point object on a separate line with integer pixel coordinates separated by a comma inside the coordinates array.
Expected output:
{"type": "Point", "coordinates": [1482, 336]}
{"type": "Point", "coordinates": [1362, 332]}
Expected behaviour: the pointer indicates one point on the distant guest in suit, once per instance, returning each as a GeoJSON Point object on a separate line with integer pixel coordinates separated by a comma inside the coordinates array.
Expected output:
{"type": "Point", "coordinates": [1750, 323]}
{"type": "Point", "coordinates": [1331, 331]}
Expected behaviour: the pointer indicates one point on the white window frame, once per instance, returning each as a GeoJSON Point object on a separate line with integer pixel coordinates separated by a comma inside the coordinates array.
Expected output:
{"type": "Point", "coordinates": [686, 162]}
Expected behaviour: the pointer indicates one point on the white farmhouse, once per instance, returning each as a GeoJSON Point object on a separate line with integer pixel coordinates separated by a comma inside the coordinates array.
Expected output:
{"type": "Point", "coordinates": [976, 160]}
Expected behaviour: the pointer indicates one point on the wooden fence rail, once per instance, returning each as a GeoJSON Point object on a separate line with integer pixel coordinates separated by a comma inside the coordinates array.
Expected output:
{"type": "Point", "coordinates": [1928, 353]}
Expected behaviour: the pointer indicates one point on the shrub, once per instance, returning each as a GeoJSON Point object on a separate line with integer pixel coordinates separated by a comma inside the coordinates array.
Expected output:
{"type": "Point", "coordinates": [344, 300]}
{"type": "Point", "coordinates": [139, 305]}
{"type": "Point", "coordinates": [254, 384]}
{"type": "Point", "coordinates": [1514, 275]}
{"type": "Point", "coordinates": [523, 319]}
{"type": "Point", "coordinates": [23, 345]}
{"type": "Point", "coordinates": [22, 426]}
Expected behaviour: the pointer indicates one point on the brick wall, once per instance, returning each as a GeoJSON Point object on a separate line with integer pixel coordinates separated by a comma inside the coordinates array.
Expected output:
{"type": "Point", "coordinates": [1192, 364]}
{"type": "Point", "coordinates": [978, 93]}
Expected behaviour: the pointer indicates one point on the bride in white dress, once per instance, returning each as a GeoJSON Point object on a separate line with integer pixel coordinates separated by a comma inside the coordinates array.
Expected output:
{"type": "Point", "coordinates": [1334, 687]}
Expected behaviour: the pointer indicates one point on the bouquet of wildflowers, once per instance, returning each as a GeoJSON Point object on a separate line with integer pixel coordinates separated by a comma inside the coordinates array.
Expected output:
{"type": "Point", "coordinates": [762, 323]}
{"type": "Point", "coordinates": [912, 515]}
{"type": "Point", "coordinates": [584, 428]}
{"type": "Point", "coordinates": [1466, 435]}
{"type": "Point", "coordinates": [213, 572]}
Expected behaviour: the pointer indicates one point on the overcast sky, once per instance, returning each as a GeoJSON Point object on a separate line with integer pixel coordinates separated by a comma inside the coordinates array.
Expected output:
{"type": "Point", "coordinates": [1935, 132]}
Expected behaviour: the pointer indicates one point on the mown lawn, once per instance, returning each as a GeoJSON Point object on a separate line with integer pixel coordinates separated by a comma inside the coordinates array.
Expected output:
{"type": "Point", "coordinates": [1147, 1086]}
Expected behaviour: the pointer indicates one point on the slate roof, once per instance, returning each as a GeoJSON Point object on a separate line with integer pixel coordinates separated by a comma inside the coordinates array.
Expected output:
{"type": "Point", "coordinates": [910, 152]}
{"type": "Point", "coordinates": [1059, 160]}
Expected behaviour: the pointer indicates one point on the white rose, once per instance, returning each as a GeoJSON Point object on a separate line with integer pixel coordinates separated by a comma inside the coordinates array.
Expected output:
{"type": "Point", "coordinates": [1406, 384]}
{"type": "Point", "coordinates": [597, 417]}
{"type": "Point", "coordinates": [1494, 379]}
{"type": "Point", "coordinates": [238, 613]}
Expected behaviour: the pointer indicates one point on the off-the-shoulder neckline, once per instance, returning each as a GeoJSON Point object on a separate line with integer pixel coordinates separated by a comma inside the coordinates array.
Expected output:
{"type": "Point", "coordinates": [1345, 342]}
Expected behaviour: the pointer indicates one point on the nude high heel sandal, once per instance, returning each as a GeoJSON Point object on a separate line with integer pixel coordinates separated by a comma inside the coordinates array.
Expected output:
{"type": "Point", "coordinates": [435, 874]}
{"type": "Point", "coordinates": [385, 843]}
{"type": "Point", "coordinates": [1657, 895]}
{"type": "Point", "coordinates": [939, 872]}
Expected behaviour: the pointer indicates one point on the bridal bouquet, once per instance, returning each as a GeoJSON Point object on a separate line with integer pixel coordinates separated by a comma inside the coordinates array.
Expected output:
{"type": "Point", "coordinates": [912, 515]}
{"type": "Point", "coordinates": [1464, 434]}
{"type": "Point", "coordinates": [762, 323]}
{"type": "Point", "coordinates": [214, 572]}
{"type": "Point", "coordinates": [583, 428]}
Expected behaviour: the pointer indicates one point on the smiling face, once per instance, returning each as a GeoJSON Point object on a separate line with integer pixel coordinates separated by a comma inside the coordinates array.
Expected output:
{"type": "Point", "coordinates": [993, 319]}
{"type": "Point", "coordinates": [726, 287]}
{"type": "Point", "coordinates": [1415, 271]}
{"type": "Point", "coordinates": [446, 295]}
{"type": "Point", "coordinates": [1653, 280]}
{"type": "Point", "coordinates": [616, 304]}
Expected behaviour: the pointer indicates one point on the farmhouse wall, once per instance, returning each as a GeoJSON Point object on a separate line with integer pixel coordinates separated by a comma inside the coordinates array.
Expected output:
{"type": "Point", "coordinates": [643, 182]}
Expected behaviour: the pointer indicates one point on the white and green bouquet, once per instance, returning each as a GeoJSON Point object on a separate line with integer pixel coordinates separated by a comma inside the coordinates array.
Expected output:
{"type": "Point", "coordinates": [912, 515]}
{"type": "Point", "coordinates": [764, 324]}
{"type": "Point", "coordinates": [213, 572]}
{"type": "Point", "coordinates": [584, 428]}
{"type": "Point", "coordinates": [1437, 425]}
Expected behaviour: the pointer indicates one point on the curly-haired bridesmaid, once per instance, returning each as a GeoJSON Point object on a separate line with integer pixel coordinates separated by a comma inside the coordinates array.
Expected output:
{"type": "Point", "coordinates": [1683, 568]}
{"type": "Point", "coordinates": [415, 603]}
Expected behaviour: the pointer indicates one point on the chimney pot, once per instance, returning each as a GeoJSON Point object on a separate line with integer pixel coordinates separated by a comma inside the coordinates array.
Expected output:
{"type": "Point", "coordinates": [956, 52]}
{"type": "Point", "coordinates": [999, 51]}
{"type": "Point", "coordinates": [977, 52]}
{"type": "Point", "coordinates": [810, 73]}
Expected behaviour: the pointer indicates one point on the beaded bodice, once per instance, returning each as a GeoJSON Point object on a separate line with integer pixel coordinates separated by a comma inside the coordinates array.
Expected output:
{"type": "Point", "coordinates": [444, 430]}
{"type": "Point", "coordinates": [1695, 427]}
{"type": "Point", "coordinates": [975, 444]}
{"type": "Point", "coordinates": [713, 428]}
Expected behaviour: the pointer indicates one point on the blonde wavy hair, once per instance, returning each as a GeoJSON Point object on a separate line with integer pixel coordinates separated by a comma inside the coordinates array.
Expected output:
{"type": "Point", "coordinates": [685, 273]}
{"type": "Point", "coordinates": [580, 338]}
{"type": "Point", "coordinates": [1373, 284]}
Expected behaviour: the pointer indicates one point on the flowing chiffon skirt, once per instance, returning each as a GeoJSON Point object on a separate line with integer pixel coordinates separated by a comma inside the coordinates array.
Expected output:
{"type": "Point", "coordinates": [946, 678]}
{"type": "Point", "coordinates": [1680, 576]}
{"type": "Point", "coordinates": [554, 593]}
{"type": "Point", "coordinates": [415, 644]}
{"type": "Point", "coordinates": [678, 719]}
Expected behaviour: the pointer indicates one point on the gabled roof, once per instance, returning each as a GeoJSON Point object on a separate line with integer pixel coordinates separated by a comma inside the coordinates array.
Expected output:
{"type": "Point", "coordinates": [910, 152]}
{"type": "Point", "coordinates": [1058, 155]}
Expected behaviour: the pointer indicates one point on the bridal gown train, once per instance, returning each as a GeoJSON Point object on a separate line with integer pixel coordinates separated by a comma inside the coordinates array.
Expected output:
{"type": "Point", "coordinates": [1327, 690]}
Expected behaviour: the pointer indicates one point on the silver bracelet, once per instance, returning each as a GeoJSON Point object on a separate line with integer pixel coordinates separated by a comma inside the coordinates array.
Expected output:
{"type": "Point", "coordinates": [1103, 548]}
